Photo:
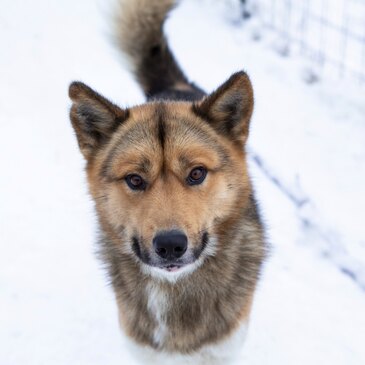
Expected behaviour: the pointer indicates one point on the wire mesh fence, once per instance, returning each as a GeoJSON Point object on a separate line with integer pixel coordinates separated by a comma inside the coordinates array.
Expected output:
{"type": "Point", "coordinates": [330, 34]}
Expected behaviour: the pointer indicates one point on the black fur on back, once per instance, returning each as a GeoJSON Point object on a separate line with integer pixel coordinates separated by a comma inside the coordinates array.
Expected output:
{"type": "Point", "coordinates": [141, 38]}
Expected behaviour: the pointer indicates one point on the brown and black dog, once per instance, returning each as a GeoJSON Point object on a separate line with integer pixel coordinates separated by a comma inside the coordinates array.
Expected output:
{"type": "Point", "coordinates": [179, 226]}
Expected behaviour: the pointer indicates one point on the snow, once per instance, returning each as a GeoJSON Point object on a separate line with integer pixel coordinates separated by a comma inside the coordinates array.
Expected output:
{"type": "Point", "coordinates": [307, 159]}
{"type": "Point", "coordinates": [329, 33]}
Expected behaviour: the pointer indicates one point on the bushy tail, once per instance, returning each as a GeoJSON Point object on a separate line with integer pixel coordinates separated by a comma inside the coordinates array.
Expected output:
{"type": "Point", "coordinates": [140, 37]}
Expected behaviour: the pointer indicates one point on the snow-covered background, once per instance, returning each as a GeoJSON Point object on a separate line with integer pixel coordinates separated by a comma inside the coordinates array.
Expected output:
{"type": "Point", "coordinates": [307, 155]}
{"type": "Point", "coordinates": [329, 34]}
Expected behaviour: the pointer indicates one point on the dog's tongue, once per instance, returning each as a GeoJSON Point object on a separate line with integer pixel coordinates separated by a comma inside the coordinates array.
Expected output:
{"type": "Point", "coordinates": [172, 268]}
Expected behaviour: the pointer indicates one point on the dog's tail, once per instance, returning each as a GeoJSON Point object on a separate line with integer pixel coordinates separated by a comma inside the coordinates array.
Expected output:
{"type": "Point", "coordinates": [140, 36]}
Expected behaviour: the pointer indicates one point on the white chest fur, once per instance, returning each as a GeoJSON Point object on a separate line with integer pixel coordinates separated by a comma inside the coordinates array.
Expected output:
{"type": "Point", "coordinates": [225, 352]}
{"type": "Point", "coordinates": [158, 305]}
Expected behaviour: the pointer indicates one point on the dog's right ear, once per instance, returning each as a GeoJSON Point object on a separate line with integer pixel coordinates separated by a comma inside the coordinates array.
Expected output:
{"type": "Point", "coordinates": [93, 117]}
{"type": "Point", "coordinates": [229, 108]}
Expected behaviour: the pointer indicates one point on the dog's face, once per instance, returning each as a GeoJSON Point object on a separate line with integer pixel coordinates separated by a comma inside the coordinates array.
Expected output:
{"type": "Point", "coordinates": [164, 176]}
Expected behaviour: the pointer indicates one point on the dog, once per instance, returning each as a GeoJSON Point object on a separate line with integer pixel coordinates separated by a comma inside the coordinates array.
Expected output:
{"type": "Point", "coordinates": [180, 230]}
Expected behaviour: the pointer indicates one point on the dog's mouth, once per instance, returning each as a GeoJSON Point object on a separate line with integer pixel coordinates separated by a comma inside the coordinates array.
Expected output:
{"type": "Point", "coordinates": [175, 266]}
{"type": "Point", "coordinates": [172, 268]}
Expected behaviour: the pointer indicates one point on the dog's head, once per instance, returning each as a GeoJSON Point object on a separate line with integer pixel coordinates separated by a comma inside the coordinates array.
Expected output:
{"type": "Point", "coordinates": [166, 177]}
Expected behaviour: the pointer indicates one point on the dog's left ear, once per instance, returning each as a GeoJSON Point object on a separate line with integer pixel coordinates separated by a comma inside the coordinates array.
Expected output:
{"type": "Point", "coordinates": [228, 109]}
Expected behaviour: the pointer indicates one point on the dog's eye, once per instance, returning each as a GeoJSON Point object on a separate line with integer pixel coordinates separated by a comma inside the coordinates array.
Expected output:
{"type": "Point", "coordinates": [135, 182]}
{"type": "Point", "coordinates": [197, 176]}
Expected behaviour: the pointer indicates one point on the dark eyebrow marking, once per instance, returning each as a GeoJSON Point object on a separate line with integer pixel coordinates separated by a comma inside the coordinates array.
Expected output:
{"type": "Point", "coordinates": [144, 166]}
{"type": "Point", "coordinates": [131, 137]}
{"type": "Point", "coordinates": [161, 132]}
{"type": "Point", "coordinates": [211, 145]}
{"type": "Point", "coordinates": [161, 126]}
{"type": "Point", "coordinates": [185, 163]}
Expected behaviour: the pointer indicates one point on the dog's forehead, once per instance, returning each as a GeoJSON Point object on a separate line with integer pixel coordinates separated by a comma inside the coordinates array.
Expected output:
{"type": "Point", "coordinates": [165, 125]}
{"type": "Point", "coordinates": [162, 135]}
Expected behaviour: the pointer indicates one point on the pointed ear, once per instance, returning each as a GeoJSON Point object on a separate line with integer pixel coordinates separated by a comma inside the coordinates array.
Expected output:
{"type": "Point", "coordinates": [228, 109]}
{"type": "Point", "coordinates": [93, 117]}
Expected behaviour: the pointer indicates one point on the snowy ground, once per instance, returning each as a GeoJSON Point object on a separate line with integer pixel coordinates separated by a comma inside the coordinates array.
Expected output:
{"type": "Point", "coordinates": [307, 158]}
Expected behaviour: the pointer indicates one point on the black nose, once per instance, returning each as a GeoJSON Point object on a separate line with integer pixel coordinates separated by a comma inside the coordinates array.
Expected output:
{"type": "Point", "coordinates": [170, 244]}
